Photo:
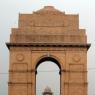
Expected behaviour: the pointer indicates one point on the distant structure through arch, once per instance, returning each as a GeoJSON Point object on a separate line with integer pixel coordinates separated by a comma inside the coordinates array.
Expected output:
{"type": "Point", "coordinates": [48, 32]}
{"type": "Point", "coordinates": [47, 91]}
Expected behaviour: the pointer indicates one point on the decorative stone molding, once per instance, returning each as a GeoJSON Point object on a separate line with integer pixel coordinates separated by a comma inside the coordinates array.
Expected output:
{"type": "Point", "coordinates": [19, 57]}
{"type": "Point", "coordinates": [76, 58]}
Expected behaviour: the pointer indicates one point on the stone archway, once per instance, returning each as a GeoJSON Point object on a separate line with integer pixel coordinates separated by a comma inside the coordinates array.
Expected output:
{"type": "Point", "coordinates": [48, 33]}
{"type": "Point", "coordinates": [54, 57]}
{"type": "Point", "coordinates": [52, 62]}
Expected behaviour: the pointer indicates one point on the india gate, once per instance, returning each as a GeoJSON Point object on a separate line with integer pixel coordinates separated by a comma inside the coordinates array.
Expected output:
{"type": "Point", "coordinates": [48, 35]}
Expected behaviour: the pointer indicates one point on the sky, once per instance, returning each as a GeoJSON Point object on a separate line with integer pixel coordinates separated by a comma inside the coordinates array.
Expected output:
{"type": "Point", "coordinates": [9, 11]}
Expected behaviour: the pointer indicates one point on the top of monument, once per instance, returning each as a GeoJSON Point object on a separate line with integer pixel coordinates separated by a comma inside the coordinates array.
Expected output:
{"type": "Point", "coordinates": [50, 9]}
{"type": "Point", "coordinates": [48, 26]}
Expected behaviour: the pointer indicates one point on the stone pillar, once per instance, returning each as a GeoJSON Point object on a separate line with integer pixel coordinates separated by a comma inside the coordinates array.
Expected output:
{"type": "Point", "coordinates": [33, 83]}
{"type": "Point", "coordinates": [62, 83]}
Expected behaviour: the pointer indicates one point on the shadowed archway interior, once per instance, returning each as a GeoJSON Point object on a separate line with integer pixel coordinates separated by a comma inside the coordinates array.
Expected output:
{"type": "Point", "coordinates": [48, 59]}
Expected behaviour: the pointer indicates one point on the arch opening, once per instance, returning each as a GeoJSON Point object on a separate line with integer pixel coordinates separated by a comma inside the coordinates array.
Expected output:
{"type": "Point", "coordinates": [48, 75]}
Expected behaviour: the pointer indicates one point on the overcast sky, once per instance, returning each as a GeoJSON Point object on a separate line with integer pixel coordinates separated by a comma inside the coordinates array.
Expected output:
{"type": "Point", "coordinates": [9, 10]}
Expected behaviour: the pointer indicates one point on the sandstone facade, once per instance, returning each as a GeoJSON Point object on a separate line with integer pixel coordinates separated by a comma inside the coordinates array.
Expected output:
{"type": "Point", "coordinates": [48, 34]}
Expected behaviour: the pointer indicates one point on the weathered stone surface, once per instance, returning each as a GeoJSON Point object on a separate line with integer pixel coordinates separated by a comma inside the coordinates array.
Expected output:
{"type": "Point", "coordinates": [48, 34]}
